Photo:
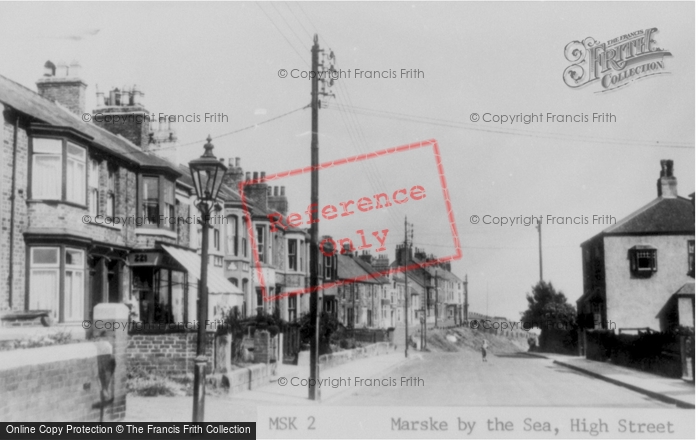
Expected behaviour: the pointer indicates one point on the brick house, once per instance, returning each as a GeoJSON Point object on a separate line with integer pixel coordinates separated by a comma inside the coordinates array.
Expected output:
{"type": "Point", "coordinates": [636, 268]}
{"type": "Point", "coordinates": [87, 208]}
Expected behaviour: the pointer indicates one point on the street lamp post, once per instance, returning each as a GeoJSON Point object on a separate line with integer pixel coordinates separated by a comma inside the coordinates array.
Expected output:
{"type": "Point", "coordinates": [207, 174]}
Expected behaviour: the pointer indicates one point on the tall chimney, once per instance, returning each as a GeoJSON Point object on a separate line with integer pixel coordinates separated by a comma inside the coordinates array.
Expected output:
{"type": "Point", "coordinates": [667, 185]}
{"type": "Point", "coordinates": [124, 114]}
{"type": "Point", "coordinates": [256, 193]}
{"type": "Point", "coordinates": [63, 86]}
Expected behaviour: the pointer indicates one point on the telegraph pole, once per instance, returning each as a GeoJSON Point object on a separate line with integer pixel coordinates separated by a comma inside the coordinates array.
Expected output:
{"type": "Point", "coordinates": [314, 376]}
{"type": "Point", "coordinates": [405, 277]}
{"type": "Point", "coordinates": [313, 305]}
{"type": "Point", "coordinates": [436, 298]}
{"type": "Point", "coordinates": [539, 233]}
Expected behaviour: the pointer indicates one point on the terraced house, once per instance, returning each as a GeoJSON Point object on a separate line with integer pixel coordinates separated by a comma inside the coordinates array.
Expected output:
{"type": "Point", "coordinates": [88, 210]}
{"type": "Point", "coordinates": [102, 211]}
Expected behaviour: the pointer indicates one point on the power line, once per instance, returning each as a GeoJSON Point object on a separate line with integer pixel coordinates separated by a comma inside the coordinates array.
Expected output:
{"type": "Point", "coordinates": [515, 132]}
{"type": "Point", "coordinates": [283, 36]}
{"type": "Point", "coordinates": [228, 133]}
{"type": "Point", "coordinates": [285, 22]}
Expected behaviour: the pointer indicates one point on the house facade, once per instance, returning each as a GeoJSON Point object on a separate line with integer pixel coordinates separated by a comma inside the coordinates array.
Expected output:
{"type": "Point", "coordinates": [632, 269]}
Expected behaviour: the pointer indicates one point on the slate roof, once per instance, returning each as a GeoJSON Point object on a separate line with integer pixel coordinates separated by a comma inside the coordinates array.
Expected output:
{"type": "Point", "coordinates": [32, 104]}
{"type": "Point", "coordinates": [369, 269]}
{"type": "Point", "coordinates": [661, 216]}
{"type": "Point", "coordinates": [349, 268]}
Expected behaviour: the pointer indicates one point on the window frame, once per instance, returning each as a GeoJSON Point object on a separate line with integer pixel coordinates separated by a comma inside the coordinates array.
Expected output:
{"type": "Point", "coordinates": [216, 236]}
{"type": "Point", "coordinates": [62, 267]}
{"type": "Point", "coordinates": [111, 191]}
{"type": "Point", "coordinates": [292, 255]}
{"type": "Point", "coordinates": [63, 173]}
{"type": "Point", "coordinates": [691, 258]}
{"type": "Point", "coordinates": [260, 241]}
{"type": "Point", "coordinates": [93, 190]}
{"type": "Point", "coordinates": [163, 213]}
{"type": "Point", "coordinates": [232, 235]}
{"type": "Point", "coordinates": [636, 253]}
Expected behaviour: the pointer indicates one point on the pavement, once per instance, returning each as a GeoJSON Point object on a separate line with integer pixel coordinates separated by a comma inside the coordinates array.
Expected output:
{"type": "Point", "coordinates": [673, 391]}
{"type": "Point", "coordinates": [286, 388]}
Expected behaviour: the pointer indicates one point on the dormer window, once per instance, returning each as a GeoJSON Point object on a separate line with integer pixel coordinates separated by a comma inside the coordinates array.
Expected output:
{"type": "Point", "coordinates": [58, 170]}
{"type": "Point", "coordinates": [642, 260]}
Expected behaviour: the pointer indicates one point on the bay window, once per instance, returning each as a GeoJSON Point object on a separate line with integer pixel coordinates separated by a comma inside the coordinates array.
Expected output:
{"type": "Point", "coordinates": [61, 291]}
{"type": "Point", "coordinates": [93, 187]}
{"type": "Point", "coordinates": [260, 238]}
{"type": "Point", "coordinates": [157, 204]}
{"type": "Point", "coordinates": [149, 202]}
{"type": "Point", "coordinates": [75, 174]}
{"type": "Point", "coordinates": [169, 204]}
{"type": "Point", "coordinates": [292, 254]}
{"type": "Point", "coordinates": [232, 235]}
{"type": "Point", "coordinates": [110, 208]}
{"type": "Point", "coordinates": [47, 168]}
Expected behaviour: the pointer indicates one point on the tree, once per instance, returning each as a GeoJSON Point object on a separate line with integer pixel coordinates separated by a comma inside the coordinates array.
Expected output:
{"type": "Point", "coordinates": [548, 309]}
{"type": "Point", "coordinates": [328, 325]}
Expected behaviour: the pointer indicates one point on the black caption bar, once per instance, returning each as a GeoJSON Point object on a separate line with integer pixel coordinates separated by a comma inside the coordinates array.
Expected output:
{"type": "Point", "coordinates": [116, 430]}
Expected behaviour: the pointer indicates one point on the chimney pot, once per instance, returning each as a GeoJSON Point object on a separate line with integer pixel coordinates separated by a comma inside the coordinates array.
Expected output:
{"type": "Point", "coordinates": [667, 185]}
{"type": "Point", "coordinates": [247, 175]}
{"type": "Point", "coordinates": [269, 191]}
{"type": "Point", "coordinates": [282, 190]}
{"type": "Point", "coordinates": [262, 175]}
{"type": "Point", "coordinates": [238, 161]}
{"type": "Point", "coordinates": [221, 160]}
{"type": "Point", "coordinates": [230, 163]}
{"type": "Point", "coordinates": [255, 175]}
{"type": "Point", "coordinates": [276, 191]}
{"type": "Point", "coordinates": [49, 69]}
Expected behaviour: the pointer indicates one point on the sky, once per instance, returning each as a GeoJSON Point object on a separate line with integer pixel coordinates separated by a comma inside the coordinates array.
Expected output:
{"type": "Point", "coordinates": [475, 58]}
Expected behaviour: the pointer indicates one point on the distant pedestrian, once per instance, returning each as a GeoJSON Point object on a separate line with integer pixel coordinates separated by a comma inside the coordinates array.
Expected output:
{"type": "Point", "coordinates": [484, 346]}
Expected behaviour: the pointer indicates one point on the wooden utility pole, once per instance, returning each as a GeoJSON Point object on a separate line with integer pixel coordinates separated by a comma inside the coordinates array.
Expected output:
{"type": "Point", "coordinates": [539, 233]}
{"type": "Point", "coordinates": [314, 392]}
{"type": "Point", "coordinates": [405, 278]}
{"type": "Point", "coordinates": [436, 298]}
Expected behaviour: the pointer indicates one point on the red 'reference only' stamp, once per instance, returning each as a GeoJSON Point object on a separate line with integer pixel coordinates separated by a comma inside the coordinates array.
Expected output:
{"type": "Point", "coordinates": [357, 206]}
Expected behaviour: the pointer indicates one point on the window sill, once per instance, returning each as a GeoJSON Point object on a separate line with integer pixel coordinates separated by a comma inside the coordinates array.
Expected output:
{"type": "Point", "coordinates": [107, 225]}
{"type": "Point", "coordinates": [158, 232]}
{"type": "Point", "coordinates": [57, 202]}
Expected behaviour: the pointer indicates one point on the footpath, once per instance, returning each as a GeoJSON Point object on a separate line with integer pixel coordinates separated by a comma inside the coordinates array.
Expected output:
{"type": "Point", "coordinates": [674, 391]}
{"type": "Point", "coordinates": [288, 387]}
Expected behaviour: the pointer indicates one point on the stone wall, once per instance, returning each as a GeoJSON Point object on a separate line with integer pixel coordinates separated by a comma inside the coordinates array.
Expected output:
{"type": "Point", "coordinates": [82, 382]}
{"type": "Point", "coordinates": [345, 356]}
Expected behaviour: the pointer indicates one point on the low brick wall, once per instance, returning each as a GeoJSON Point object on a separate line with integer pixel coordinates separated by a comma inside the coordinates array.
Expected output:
{"type": "Point", "coordinates": [167, 353]}
{"type": "Point", "coordinates": [80, 382]}
{"type": "Point", "coordinates": [345, 356]}
{"type": "Point", "coordinates": [60, 383]}
{"type": "Point", "coordinates": [249, 378]}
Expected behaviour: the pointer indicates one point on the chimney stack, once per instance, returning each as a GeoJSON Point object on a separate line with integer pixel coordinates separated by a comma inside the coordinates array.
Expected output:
{"type": "Point", "coordinates": [257, 193]}
{"type": "Point", "coordinates": [133, 122]}
{"type": "Point", "coordinates": [63, 85]}
{"type": "Point", "coordinates": [278, 201]}
{"type": "Point", "coordinates": [667, 185]}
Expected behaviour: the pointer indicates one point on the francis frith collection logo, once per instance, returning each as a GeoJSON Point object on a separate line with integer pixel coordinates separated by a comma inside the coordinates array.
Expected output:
{"type": "Point", "coordinates": [615, 63]}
